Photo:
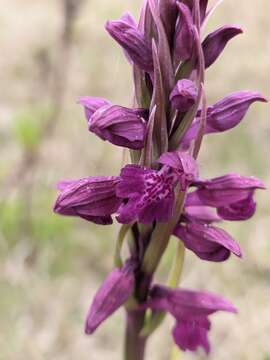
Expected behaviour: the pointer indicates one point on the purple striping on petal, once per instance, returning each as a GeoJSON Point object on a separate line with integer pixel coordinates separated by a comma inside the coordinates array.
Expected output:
{"type": "Point", "coordinates": [112, 294]}
{"type": "Point", "coordinates": [119, 125]}
{"type": "Point", "coordinates": [207, 242]}
{"type": "Point", "coordinates": [92, 198]}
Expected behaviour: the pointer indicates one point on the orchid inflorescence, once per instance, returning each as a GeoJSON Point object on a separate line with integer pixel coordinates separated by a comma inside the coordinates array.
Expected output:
{"type": "Point", "coordinates": [160, 193]}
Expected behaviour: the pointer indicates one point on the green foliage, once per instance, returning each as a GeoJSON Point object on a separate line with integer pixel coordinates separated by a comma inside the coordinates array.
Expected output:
{"type": "Point", "coordinates": [28, 126]}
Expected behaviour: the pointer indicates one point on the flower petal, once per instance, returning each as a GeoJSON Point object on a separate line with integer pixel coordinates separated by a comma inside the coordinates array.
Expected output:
{"type": "Point", "coordinates": [207, 242]}
{"type": "Point", "coordinates": [113, 293]}
{"type": "Point", "coordinates": [119, 125]}
{"type": "Point", "coordinates": [215, 42]}
{"type": "Point", "coordinates": [92, 104]}
{"type": "Point", "coordinates": [189, 334]}
{"type": "Point", "coordinates": [132, 41]}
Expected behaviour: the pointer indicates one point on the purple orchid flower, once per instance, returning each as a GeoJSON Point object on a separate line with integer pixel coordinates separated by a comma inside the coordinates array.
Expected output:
{"type": "Point", "coordinates": [224, 115]}
{"type": "Point", "coordinates": [224, 190]}
{"type": "Point", "coordinates": [190, 310]}
{"type": "Point", "coordinates": [207, 242]}
{"type": "Point", "coordinates": [119, 125]}
{"type": "Point", "coordinates": [112, 294]}
{"type": "Point", "coordinates": [92, 198]}
{"type": "Point", "coordinates": [150, 193]}
{"type": "Point", "coordinates": [159, 188]}
{"type": "Point", "coordinates": [126, 33]}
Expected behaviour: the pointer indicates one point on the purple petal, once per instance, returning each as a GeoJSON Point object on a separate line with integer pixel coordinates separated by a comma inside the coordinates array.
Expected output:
{"type": "Point", "coordinates": [132, 41]}
{"type": "Point", "coordinates": [92, 198]}
{"type": "Point", "coordinates": [201, 214]}
{"type": "Point", "coordinates": [184, 95]}
{"type": "Point", "coordinates": [92, 104]}
{"type": "Point", "coordinates": [119, 125]}
{"type": "Point", "coordinates": [215, 42]}
{"type": "Point", "coordinates": [223, 190]}
{"type": "Point", "coordinates": [191, 333]}
{"type": "Point", "coordinates": [184, 36]}
{"type": "Point", "coordinates": [207, 242]}
{"type": "Point", "coordinates": [182, 303]}
{"type": "Point", "coordinates": [148, 195]}
{"type": "Point", "coordinates": [113, 293]}
{"type": "Point", "coordinates": [224, 115]}
{"type": "Point", "coordinates": [241, 210]}
{"type": "Point", "coordinates": [184, 165]}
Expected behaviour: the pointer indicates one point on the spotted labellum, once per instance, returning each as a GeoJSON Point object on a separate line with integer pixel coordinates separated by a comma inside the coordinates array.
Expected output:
{"type": "Point", "coordinates": [159, 192]}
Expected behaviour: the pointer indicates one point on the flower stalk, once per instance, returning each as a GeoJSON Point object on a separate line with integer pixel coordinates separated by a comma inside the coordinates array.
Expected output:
{"type": "Point", "coordinates": [161, 192]}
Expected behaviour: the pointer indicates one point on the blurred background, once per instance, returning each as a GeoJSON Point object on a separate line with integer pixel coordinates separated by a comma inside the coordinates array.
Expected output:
{"type": "Point", "coordinates": [50, 266]}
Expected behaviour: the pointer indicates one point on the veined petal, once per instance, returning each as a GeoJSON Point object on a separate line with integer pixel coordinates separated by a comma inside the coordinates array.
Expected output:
{"type": "Point", "coordinates": [147, 194]}
{"type": "Point", "coordinates": [92, 198]}
{"type": "Point", "coordinates": [207, 242]}
{"type": "Point", "coordinates": [183, 164]}
{"type": "Point", "coordinates": [113, 293]}
{"type": "Point", "coordinates": [120, 126]}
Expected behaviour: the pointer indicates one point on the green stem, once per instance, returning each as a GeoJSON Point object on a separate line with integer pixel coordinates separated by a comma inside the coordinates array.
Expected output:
{"type": "Point", "coordinates": [134, 343]}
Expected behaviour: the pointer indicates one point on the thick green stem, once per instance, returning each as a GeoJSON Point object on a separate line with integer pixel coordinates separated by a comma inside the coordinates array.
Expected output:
{"type": "Point", "coordinates": [134, 343]}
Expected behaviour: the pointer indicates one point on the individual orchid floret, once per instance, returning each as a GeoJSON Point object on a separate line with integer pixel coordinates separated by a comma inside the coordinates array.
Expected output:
{"type": "Point", "coordinates": [224, 190]}
{"type": "Point", "coordinates": [182, 164]}
{"type": "Point", "coordinates": [91, 104]}
{"type": "Point", "coordinates": [224, 115]}
{"type": "Point", "coordinates": [207, 242]}
{"type": "Point", "coordinates": [215, 42]}
{"type": "Point", "coordinates": [119, 125]}
{"type": "Point", "coordinates": [190, 310]}
{"type": "Point", "coordinates": [184, 34]}
{"type": "Point", "coordinates": [184, 95]}
{"type": "Point", "coordinates": [112, 294]}
{"type": "Point", "coordinates": [149, 194]}
{"type": "Point", "coordinates": [132, 41]}
{"type": "Point", "coordinates": [92, 198]}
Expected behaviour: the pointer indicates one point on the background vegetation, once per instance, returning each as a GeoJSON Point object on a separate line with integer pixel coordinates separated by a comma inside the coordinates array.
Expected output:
{"type": "Point", "coordinates": [51, 53]}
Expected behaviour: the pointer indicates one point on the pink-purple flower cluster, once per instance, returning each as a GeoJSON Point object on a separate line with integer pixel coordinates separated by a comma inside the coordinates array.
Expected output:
{"type": "Point", "coordinates": [161, 187]}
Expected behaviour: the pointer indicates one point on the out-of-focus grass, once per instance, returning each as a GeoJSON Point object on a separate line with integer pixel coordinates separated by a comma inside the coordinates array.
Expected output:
{"type": "Point", "coordinates": [51, 266]}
